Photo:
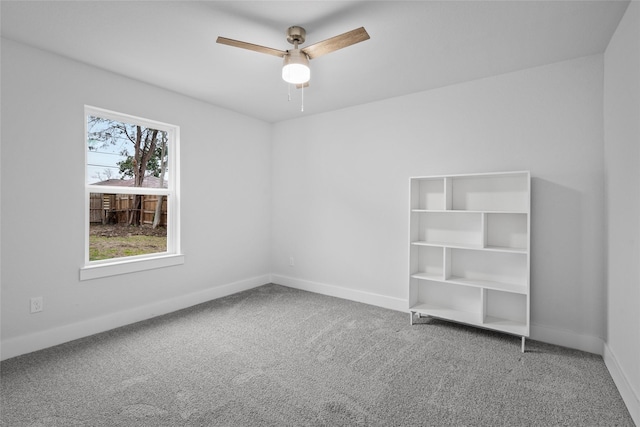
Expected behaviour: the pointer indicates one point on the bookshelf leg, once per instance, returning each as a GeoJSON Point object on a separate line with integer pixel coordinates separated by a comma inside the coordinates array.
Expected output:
{"type": "Point", "coordinates": [523, 344]}
{"type": "Point", "coordinates": [411, 318]}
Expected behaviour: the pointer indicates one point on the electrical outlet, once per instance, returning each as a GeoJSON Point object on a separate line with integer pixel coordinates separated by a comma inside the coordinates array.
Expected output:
{"type": "Point", "coordinates": [292, 261]}
{"type": "Point", "coordinates": [36, 304]}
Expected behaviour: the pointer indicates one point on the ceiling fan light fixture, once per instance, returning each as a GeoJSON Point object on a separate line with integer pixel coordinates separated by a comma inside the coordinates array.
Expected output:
{"type": "Point", "coordinates": [295, 69]}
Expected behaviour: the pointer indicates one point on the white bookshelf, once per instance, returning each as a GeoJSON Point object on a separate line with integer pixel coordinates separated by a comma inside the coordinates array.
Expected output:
{"type": "Point", "coordinates": [469, 250]}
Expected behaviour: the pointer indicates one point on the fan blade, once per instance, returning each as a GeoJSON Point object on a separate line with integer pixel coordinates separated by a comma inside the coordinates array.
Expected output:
{"type": "Point", "coordinates": [338, 42]}
{"type": "Point", "coordinates": [251, 46]}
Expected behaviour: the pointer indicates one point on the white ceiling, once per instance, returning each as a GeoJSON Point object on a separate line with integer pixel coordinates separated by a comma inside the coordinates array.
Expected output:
{"type": "Point", "coordinates": [414, 45]}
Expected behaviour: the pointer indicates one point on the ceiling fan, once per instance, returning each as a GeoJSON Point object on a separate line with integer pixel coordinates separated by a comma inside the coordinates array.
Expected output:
{"type": "Point", "coordinates": [295, 69]}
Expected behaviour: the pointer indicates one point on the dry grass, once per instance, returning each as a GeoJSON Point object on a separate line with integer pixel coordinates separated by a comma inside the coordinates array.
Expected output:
{"type": "Point", "coordinates": [116, 241]}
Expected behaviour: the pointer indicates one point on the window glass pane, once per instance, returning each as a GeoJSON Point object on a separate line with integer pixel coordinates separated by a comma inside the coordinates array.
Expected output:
{"type": "Point", "coordinates": [123, 225]}
{"type": "Point", "coordinates": [125, 154]}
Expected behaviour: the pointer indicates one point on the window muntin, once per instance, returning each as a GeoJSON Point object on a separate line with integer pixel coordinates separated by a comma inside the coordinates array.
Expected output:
{"type": "Point", "coordinates": [131, 164]}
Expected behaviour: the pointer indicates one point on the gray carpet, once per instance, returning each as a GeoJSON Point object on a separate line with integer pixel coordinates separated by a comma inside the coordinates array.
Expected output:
{"type": "Point", "coordinates": [277, 356]}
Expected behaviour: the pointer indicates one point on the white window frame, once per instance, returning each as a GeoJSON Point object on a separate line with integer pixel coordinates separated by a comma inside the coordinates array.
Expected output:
{"type": "Point", "coordinates": [173, 255]}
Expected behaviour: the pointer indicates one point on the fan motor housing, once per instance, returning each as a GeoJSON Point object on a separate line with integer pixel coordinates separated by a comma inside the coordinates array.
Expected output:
{"type": "Point", "coordinates": [296, 34]}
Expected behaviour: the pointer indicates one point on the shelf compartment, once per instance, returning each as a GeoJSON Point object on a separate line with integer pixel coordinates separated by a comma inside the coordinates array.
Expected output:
{"type": "Point", "coordinates": [470, 247]}
{"type": "Point", "coordinates": [427, 262]}
{"type": "Point", "coordinates": [508, 326]}
{"type": "Point", "coordinates": [492, 269]}
{"type": "Point", "coordinates": [447, 313]}
{"type": "Point", "coordinates": [506, 312]}
{"type": "Point", "coordinates": [485, 284]}
{"type": "Point", "coordinates": [463, 229]}
{"type": "Point", "coordinates": [428, 276]}
{"type": "Point", "coordinates": [428, 194]}
{"type": "Point", "coordinates": [502, 192]}
{"type": "Point", "coordinates": [489, 284]}
{"type": "Point", "coordinates": [508, 231]}
{"type": "Point", "coordinates": [447, 301]}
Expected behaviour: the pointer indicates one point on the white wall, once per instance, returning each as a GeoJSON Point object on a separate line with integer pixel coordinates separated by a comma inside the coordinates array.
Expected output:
{"type": "Point", "coordinates": [225, 201]}
{"type": "Point", "coordinates": [622, 154]}
{"type": "Point", "coordinates": [340, 188]}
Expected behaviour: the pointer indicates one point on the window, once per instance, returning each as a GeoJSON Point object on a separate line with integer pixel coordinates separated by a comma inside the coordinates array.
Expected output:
{"type": "Point", "coordinates": [131, 194]}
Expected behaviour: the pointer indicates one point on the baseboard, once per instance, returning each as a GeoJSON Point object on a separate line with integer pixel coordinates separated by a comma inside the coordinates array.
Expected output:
{"type": "Point", "coordinates": [48, 338]}
{"type": "Point", "coordinates": [566, 338]}
{"type": "Point", "coordinates": [391, 303]}
{"type": "Point", "coordinates": [630, 396]}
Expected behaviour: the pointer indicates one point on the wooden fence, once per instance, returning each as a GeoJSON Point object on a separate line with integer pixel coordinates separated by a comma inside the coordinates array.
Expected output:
{"type": "Point", "coordinates": [117, 208]}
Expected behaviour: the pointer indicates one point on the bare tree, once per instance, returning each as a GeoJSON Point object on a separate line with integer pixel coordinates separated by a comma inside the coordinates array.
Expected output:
{"type": "Point", "coordinates": [144, 146]}
{"type": "Point", "coordinates": [104, 175]}
{"type": "Point", "coordinates": [163, 168]}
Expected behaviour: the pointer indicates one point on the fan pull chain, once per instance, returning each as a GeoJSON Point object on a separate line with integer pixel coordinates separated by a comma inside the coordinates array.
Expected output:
{"type": "Point", "coordinates": [301, 93]}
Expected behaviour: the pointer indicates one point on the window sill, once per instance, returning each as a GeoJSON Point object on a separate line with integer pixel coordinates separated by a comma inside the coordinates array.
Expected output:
{"type": "Point", "coordinates": [97, 271]}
